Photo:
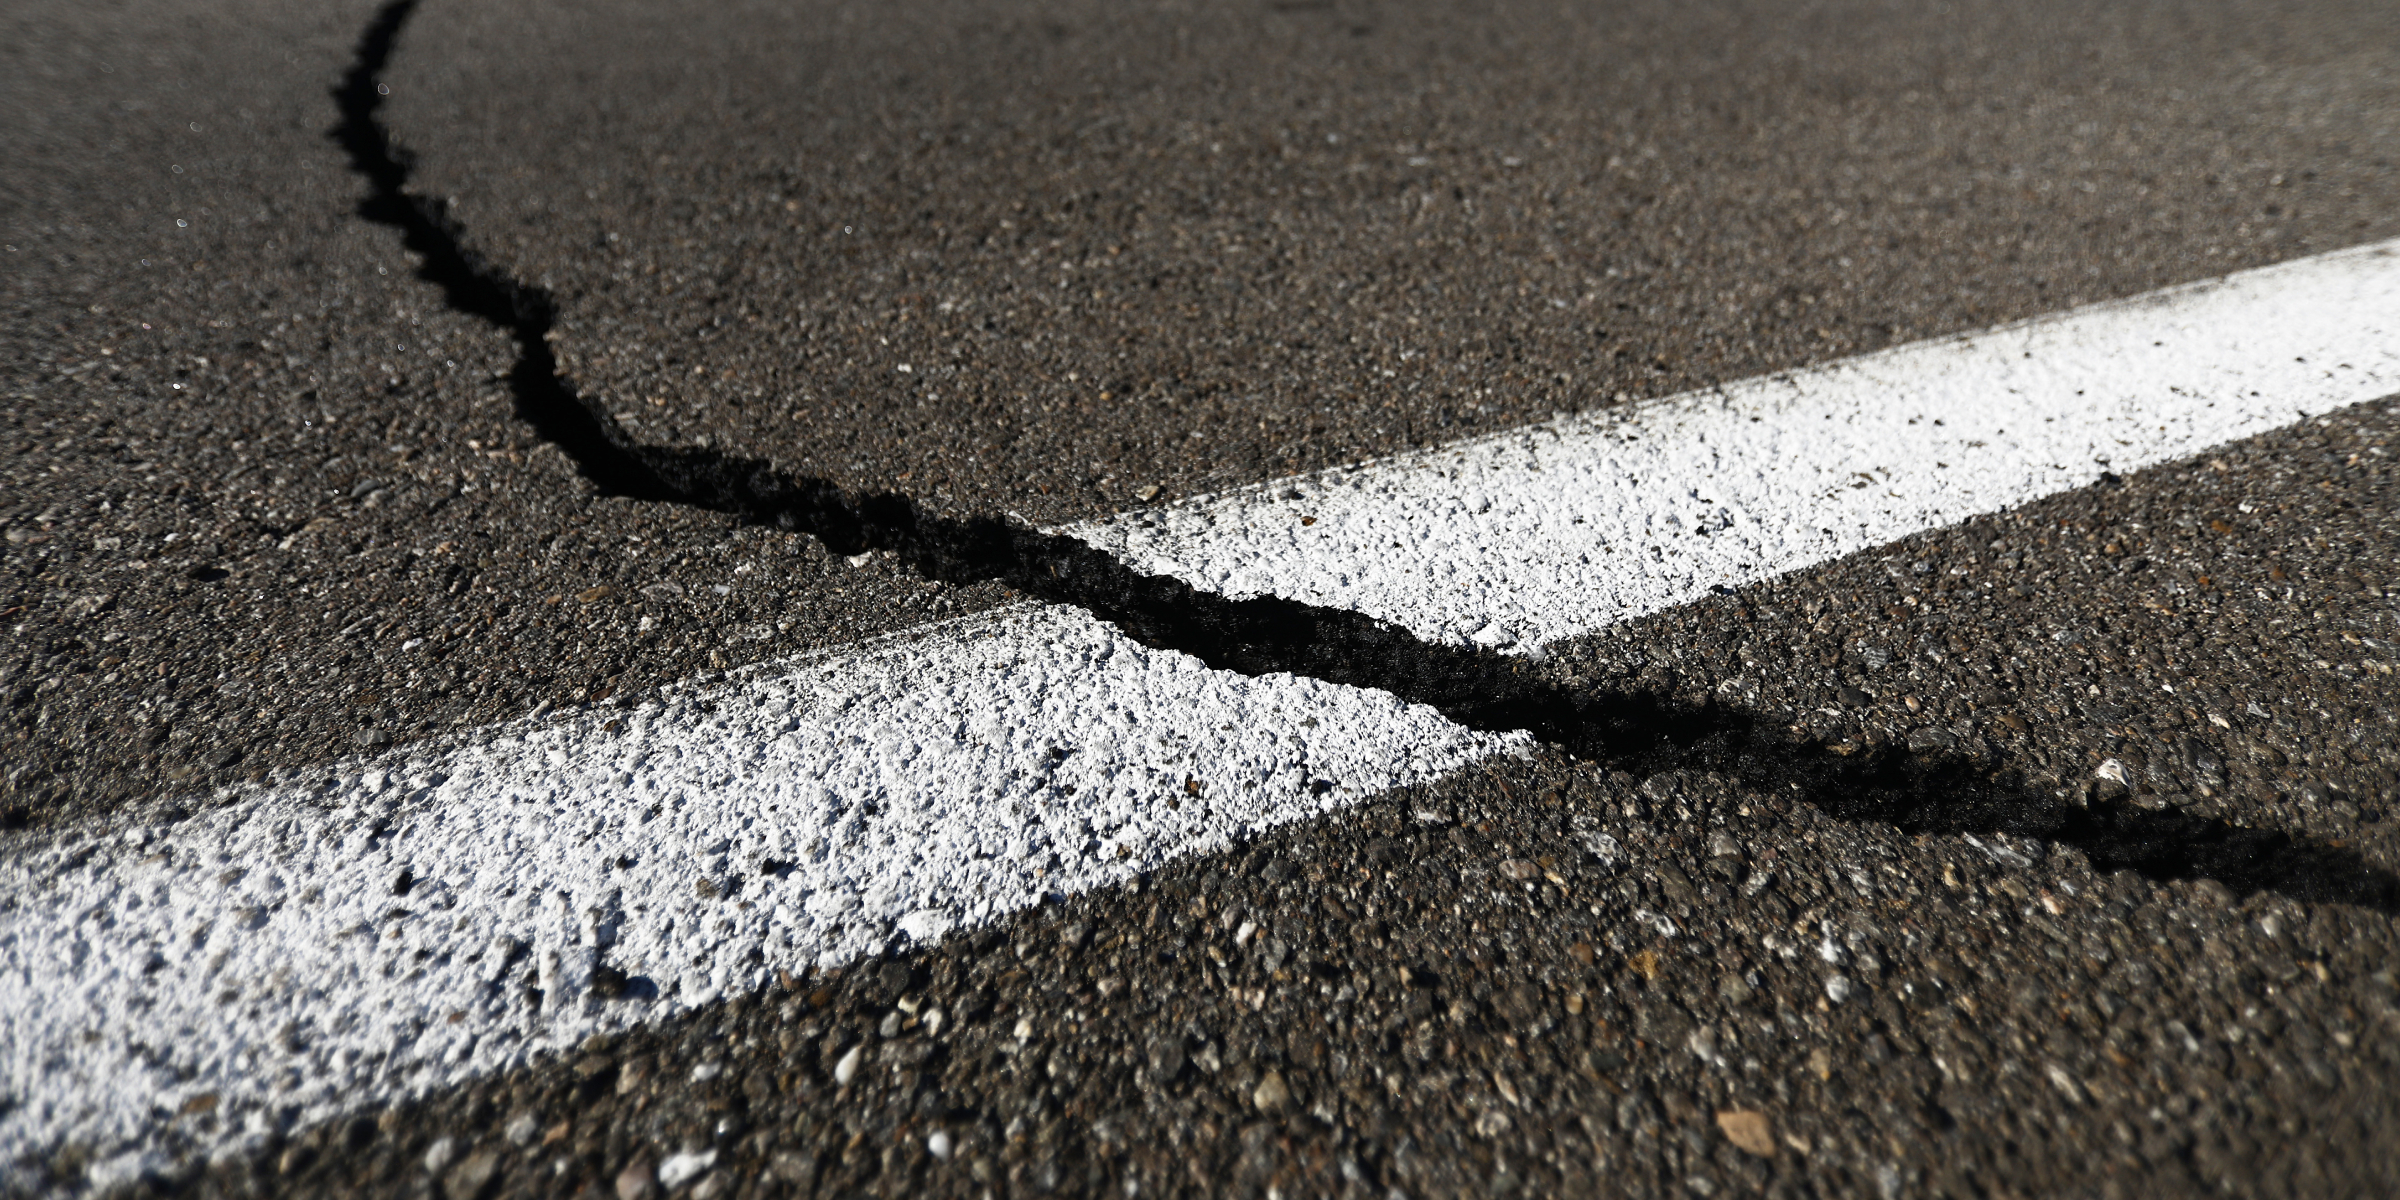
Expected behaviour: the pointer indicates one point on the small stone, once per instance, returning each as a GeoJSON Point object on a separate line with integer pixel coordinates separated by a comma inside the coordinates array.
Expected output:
{"type": "Point", "coordinates": [847, 1069]}
{"type": "Point", "coordinates": [1838, 988]}
{"type": "Point", "coordinates": [1166, 1057]}
{"type": "Point", "coordinates": [594, 596]}
{"type": "Point", "coordinates": [1520, 870]}
{"type": "Point", "coordinates": [1147, 493]}
{"type": "Point", "coordinates": [1271, 1095]}
{"type": "Point", "coordinates": [1854, 698]}
{"type": "Point", "coordinates": [1734, 989]}
{"type": "Point", "coordinates": [939, 1145]}
{"type": "Point", "coordinates": [2109, 781]}
{"type": "Point", "coordinates": [1748, 1130]}
{"type": "Point", "coordinates": [370, 739]}
{"type": "Point", "coordinates": [437, 1155]}
{"type": "Point", "coordinates": [679, 1169]}
{"type": "Point", "coordinates": [1662, 788]}
{"type": "Point", "coordinates": [225, 757]}
{"type": "Point", "coordinates": [634, 1182]}
{"type": "Point", "coordinates": [799, 1170]}
{"type": "Point", "coordinates": [469, 1178]}
{"type": "Point", "coordinates": [521, 1128]}
{"type": "Point", "coordinates": [702, 1074]}
{"type": "Point", "coordinates": [632, 1076]}
{"type": "Point", "coordinates": [1932, 739]}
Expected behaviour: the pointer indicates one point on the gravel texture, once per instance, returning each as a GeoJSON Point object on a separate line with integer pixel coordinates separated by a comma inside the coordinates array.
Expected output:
{"type": "Point", "coordinates": [1178, 250]}
{"type": "Point", "coordinates": [264, 499]}
{"type": "Point", "coordinates": [1559, 976]}
{"type": "Point", "coordinates": [1042, 258]}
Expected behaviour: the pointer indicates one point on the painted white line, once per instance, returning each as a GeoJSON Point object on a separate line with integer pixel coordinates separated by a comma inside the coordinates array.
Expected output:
{"type": "Point", "coordinates": [184, 990]}
{"type": "Point", "coordinates": [1537, 534]}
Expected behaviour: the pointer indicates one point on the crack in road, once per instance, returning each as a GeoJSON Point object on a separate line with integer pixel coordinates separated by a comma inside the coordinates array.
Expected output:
{"type": "Point", "coordinates": [1639, 733]}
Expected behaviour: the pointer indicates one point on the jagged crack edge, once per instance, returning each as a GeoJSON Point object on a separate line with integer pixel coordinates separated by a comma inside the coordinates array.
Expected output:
{"type": "Point", "coordinates": [1636, 732]}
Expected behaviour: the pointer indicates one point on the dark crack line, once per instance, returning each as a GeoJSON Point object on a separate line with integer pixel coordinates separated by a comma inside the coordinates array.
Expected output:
{"type": "Point", "coordinates": [1635, 732]}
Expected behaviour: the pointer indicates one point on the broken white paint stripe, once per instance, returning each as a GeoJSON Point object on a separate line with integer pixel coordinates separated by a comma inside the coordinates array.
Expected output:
{"type": "Point", "coordinates": [1537, 534]}
{"type": "Point", "coordinates": [373, 933]}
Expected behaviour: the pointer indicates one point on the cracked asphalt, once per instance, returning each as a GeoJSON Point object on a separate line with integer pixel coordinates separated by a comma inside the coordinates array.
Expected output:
{"type": "Point", "coordinates": [268, 502]}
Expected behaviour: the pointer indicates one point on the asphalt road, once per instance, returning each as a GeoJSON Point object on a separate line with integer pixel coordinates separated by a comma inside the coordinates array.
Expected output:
{"type": "Point", "coordinates": [272, 500]}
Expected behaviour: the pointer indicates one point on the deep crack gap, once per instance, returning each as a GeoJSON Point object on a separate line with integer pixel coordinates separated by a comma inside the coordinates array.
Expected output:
{"type": "Point", "coordinates": [1636, 732]}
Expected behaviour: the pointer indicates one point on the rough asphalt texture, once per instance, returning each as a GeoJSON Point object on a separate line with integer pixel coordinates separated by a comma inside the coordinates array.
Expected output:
{"type": "Point", "coordinates": [1042, 257]}
{"type": "Point", "coordinates": [1616, 971]}
{"type": "Point", "coordinates": [265, 501]}
{"type": "Point", "coordinates": [1560, 977]}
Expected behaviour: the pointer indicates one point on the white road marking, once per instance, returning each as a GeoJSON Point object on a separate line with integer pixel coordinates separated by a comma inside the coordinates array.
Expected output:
{"type": "Point", "coordinates": [1526, 537]}
{"type": "Point", "coordinates": [185, 989]}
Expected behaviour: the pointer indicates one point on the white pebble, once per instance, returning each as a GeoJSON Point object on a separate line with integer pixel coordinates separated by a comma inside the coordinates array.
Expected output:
{"type": "Point", "coordinates": [939, 1144]}
{"type": "Point", "coordinates": [437, 1155]}
{"type": "Point", "coordinates": [847, 1069]}
{"type": "Point", "coordinates": [707, 1071]}
{"type": "Point", "coordinates": [680, 1169]}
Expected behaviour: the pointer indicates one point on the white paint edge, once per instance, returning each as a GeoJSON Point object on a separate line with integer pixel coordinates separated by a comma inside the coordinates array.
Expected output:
{"type": "Point", "coordinates": [1523, 538]}
{"type": "Point", "coordinates": [241, 955]}
{"type": "Point", "coordinates": [252, 960]}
